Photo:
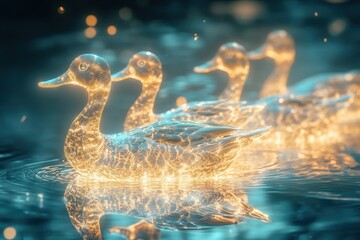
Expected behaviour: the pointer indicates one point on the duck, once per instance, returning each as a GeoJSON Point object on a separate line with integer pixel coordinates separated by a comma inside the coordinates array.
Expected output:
{"type": "Point", "coordinates": [286, 113]}
{"type": "Point", "coordinates": [163, 148]}
{"type": "Point", "coordinates": [146, 67]}
{"type": "Point", "coordinates": [174, 205]}
{"type": "Point", "coordinates": [280, 47]}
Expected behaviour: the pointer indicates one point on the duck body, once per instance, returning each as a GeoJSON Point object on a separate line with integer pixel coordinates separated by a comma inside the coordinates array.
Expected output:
{"type": "Point", "coordinates": [331, 85]}
{"type": "Point", "coordinates": [171, 148]}
{"type": "Point", "coordinates": [280, 47]}
{"type": "Point", "coordinates": [288, 114]}
{"type": "Point", "coordinates": [168, 147]}
{"type": "Point", "coordinates": [147, 68]}
{"type": "Point", "coordinates": [176, 206]}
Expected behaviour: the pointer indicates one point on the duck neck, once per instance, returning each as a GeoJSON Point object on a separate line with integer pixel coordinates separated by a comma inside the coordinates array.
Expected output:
{"type": "Point", "coordinates": [141, 112]}
{"type": "Point", "coordinates": [234, 88]}
{"type": "Point", "coordinates": [84, 142]}
{"type": "Point", "coordinates": [276, 83]}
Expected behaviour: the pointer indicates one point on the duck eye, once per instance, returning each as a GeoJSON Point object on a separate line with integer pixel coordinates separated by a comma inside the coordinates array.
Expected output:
{"type": "Point", "coordinates": [141, 63]}
{"type": "Point", "coordinates": [83, 67]}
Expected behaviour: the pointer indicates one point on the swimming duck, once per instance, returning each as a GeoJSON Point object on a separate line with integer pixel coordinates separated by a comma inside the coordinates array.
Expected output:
{"type": "Point", "coordinates": [175, 205]}
{"type": "Point", "coordinates": [280, 47]}
{"type": "Point", "coordinates": [147, 68]}
{"type": "Point", "coordinates": [172, 147]}
{"type": "Point", "coordinates": [284, 112]}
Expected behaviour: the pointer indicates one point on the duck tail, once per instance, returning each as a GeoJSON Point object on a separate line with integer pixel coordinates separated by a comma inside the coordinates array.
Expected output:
{"type": "Point", "coordinates": [255, 213]}
{"type": "Point", "coordinates": [241, 139]}
{"type": "Point", "coordinates": [332, 106]}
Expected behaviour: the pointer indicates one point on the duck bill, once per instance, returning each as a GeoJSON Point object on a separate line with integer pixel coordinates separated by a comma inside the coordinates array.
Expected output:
{"type": "Point", "coordinates": [258, 54]}
{"type": "Point", "coordinates": [122, 75]}
{"type": "Point", "coordinates": [209, 66]}
{"type": "Point", "coordinates": [56, 82]}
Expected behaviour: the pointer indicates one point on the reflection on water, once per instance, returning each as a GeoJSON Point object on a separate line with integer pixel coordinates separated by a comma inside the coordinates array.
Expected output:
{"type": "Point", "coordinates": [171, 205]}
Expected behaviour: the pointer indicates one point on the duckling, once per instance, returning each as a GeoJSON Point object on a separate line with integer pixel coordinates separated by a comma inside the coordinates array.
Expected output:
{"type": "Point", "coordinates": [280, 47]}
{"type": "Point", "coordinates": [285, 113]}
{"type": "Point", "coordinates": [172, 147]}
{"type": "Point", "coordinates": [176, 205]}
{"type": "Point", "coordinates": [147, 68]}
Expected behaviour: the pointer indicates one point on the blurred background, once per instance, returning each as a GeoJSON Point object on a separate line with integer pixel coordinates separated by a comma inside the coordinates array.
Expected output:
{"type": "Point", "coordinates": [40, 39]}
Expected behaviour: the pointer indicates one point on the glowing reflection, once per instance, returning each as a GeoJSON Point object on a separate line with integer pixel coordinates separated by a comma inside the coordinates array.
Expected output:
{"type": "Point", "coordinates": [168, 148]}
{"type": "Point", "coordinates": [23, 118]}
{"type": "Point", "coordinates": [91, 20]}
{"type": "Point", "coordinates": [172, 205]}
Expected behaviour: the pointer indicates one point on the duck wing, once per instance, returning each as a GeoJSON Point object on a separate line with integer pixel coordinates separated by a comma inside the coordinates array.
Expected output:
{"type": "Point", "coordinates": [289, 109]}
{"type": "Point", "coordinates": [191, 134]}
{"type": "Point", "coordinates": [219, 111]}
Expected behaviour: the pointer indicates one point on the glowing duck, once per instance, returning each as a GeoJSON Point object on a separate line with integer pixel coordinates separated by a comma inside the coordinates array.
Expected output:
{"type": "Point", "coordinates": [280, 47]}
{"type": "Point", "coordinates": [286, 113]}
{"type": "Point", "coordinates": [147, 68]}
{"type": "Point", "coordinates": [182, 205]}
{"type": "Point", "coordinates": [172, 147]}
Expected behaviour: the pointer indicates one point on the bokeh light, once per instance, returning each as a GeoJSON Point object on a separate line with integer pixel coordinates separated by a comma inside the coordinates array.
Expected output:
{"type": "Point", "coordinates": [111, 30]}
{"type": "Point", "coordinates": [181, 101]}
{"type": "Point", "coordinates": [90, 32]}
{"type": "Point", "coordinates": [91, 20]}
{"type": "Point", "coordinates": [9, 233]}
{"type": "Point", "coordinates": [61, 10]}
{"type": "Point", "coordinates": [337, 27]}
{"type": "Point", "coordinates": [125, 13]}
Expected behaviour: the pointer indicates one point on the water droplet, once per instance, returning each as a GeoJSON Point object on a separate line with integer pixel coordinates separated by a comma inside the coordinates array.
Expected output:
{"type": "Point", "coordinates": [316, 14]}
{"type": "Point", "coordinates": [23, 118]}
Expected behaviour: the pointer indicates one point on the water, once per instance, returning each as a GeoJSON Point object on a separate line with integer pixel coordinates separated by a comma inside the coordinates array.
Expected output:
{"type": "Point", "coordinates": [308, 195]}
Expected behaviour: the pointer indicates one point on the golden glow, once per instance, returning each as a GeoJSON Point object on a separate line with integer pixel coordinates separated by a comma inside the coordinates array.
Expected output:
{"type": "Point", "coordinates": [337, 27]}
{"type": "Point", "coordinates": [147, 68]}
{"type": "Point", "coordinates": [9, 233]}
{"type": "Point", "coordinates": [61, 10]}
{"type": "Point", "coordinates": [91, 20]}
{"type": "Point", "coordinates": [111, 30]}
{"type": "Point", "coordinates": [125, 13]}
{"type": "Point", "coordinates": [196, 36]}
{"type": "Point", "coordinates": [158, 150]}
{"type": "Point", "coordinates": [90, 32]}
{"type": "Point", "coordinates": [181, 101]}
{"type": "Point", "coordinates": [180, 204]}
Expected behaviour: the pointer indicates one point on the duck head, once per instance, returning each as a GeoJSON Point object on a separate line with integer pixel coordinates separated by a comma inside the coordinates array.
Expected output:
{"type": "Point", "coordinates": [230, 58]}
{"type": "Point", "coordinates": [88, 71]}
{"type": "Point", "coordinates": [143, 66]}
{"type": "Point", "coordinates": [279, 46]}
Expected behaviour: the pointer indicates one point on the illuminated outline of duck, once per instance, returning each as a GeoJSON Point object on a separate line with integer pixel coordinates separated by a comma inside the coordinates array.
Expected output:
{"type": "Point", "coordinates": [172, 147]}
{"type": "Point", "coordinates": [280, 110]}
{"type": "Point", "coordinates": [147, 68]}
{"type": "Point", "coordinates": [280, 47]}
